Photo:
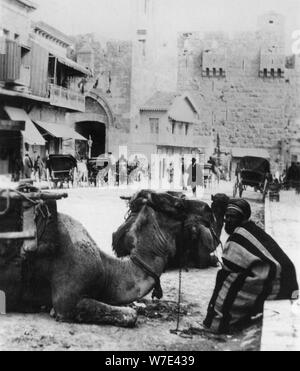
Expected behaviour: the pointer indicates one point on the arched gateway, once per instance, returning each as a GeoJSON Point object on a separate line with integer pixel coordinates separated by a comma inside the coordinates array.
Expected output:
{"type": "Point", "coordinates": [94, 125]}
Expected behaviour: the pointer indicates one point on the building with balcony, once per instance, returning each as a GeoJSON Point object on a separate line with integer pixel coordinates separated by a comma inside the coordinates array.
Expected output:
{"type": "Point", "coordinates": [43, 87]}
{"type": "Point", "coordinates": [65, 78]}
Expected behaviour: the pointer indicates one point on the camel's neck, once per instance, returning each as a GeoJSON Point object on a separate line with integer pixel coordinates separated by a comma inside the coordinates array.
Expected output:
{"type": "Point", "coordinates": [219, 222]}
{"type": "Point", "coordinates": [128, 280]}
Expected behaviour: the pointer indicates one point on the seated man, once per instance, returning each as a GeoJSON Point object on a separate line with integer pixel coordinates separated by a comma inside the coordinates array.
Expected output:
{"type": "Point", "coordinates": [255, 269]}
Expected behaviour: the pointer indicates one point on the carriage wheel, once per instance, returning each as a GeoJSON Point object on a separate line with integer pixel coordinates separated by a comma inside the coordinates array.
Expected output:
{"type": "Point", "coordinates": [265, 190]}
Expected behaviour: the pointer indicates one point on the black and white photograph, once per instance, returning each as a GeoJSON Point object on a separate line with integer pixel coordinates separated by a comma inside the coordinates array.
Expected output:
{"type": "Point", "coordinates": [150, 178]}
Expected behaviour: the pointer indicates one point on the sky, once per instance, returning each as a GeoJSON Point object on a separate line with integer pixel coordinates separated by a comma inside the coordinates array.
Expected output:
{"type": "Point", "coordinates": [114, 19]}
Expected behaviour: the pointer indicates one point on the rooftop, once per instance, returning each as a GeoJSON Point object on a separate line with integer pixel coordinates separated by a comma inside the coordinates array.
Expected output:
{"type": "Point", "coordinates": [53, 32]}
{"type": "Point", "coordinates": [160, 101]}
{"type": "Point", "coordinates": [28, 4]}
{"type": "Point", "coordinates": [238, 152]}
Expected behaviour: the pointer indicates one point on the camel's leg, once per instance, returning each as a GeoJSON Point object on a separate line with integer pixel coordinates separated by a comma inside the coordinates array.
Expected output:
{"type": "Point", "coordinates": [93, 312]}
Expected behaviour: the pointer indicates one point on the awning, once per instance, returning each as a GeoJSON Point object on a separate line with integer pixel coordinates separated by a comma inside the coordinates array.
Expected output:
{"type": "Point", "coordinates": [71, 64]}
{"type": "Point", "coordinates": [31, 134]}
{"type": "Point", "coordinates": [251, 152]}
{"type": "Point", "coordinates": [60, 131]}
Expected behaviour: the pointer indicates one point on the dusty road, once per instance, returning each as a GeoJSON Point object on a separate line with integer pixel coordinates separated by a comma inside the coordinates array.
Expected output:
{"type": "Point", "coordinates": [101, 213]}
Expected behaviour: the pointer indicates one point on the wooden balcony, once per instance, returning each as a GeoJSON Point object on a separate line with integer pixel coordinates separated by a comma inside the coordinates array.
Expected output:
{"type": "Point", "coordinates": [62, 97]}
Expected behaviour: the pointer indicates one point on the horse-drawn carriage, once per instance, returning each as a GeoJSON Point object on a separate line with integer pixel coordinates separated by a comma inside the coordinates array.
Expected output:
{"type": "Point", "coordinates": [293, 178]}
{"type": "Point", "coordinates": [98, 170]}
{"type": "Point", "coordinates": [61, 169]}
{"type": "Point", "coordinates": [252, 172]}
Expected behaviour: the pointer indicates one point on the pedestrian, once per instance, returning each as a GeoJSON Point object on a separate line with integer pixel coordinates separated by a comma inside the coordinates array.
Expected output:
{"type": "Point", "coordinates": [213, 164]}
{"type": "Point", "coordinates": [82, 172]}
{"type": "Point", "coordinates": [39, 168]}
{"type": "Point", "coordinates": [196, 177]}
{"type": "Point", "coordinates": [255, 269]}
{"type": "Point", "coordinates": [28, 166]}
{"type": "Point", "coordinates": [171, 171]}
{"type": "Point", "coordinates": [184, 188]}
{"type": "Point", "coordinates": [17, 168]}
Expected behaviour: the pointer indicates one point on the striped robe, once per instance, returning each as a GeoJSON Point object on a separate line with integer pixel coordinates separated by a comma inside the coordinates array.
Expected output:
{"type": "Point", "coordinates": [255, 269]}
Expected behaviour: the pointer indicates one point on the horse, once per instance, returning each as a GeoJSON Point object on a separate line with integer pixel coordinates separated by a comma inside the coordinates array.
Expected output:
{"type": "Point", "coordinates": [83, 284]}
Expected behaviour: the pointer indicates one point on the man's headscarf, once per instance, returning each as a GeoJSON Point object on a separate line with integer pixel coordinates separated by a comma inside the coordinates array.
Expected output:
{"type": "Point", "coordinates": [241, 206]}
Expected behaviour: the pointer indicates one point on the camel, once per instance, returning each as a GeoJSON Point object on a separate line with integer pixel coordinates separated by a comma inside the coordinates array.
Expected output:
{"type": "Point", "coordinates": [219, 205]}
{"type": "Point", "coordinates": [82, 283]}
{"type": "Point", "coordinates": [200, 237]}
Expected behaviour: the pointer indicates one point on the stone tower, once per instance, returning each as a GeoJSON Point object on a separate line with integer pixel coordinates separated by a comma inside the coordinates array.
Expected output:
{"type": "Point", "coordinates": [271, 27]}
{"type": "Point", "coordinates": [154, 63]}
{"type": "Point", "coordinates": [86, 57]}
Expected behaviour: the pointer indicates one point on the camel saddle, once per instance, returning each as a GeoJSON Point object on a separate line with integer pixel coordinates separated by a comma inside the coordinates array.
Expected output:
{"type": "Point", "coordinates": [25, 217]}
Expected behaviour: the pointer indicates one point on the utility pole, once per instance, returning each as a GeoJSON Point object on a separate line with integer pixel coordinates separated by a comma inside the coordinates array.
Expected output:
{"type": "Point", "coordinates": [90, 144]}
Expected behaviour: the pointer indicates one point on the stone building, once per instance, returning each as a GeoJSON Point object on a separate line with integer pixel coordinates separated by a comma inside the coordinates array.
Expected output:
{"type": "Point", "coordinates": [245, 87]}
{"type": "Point", "coordinates": [43, 87]}
{"type": "Point", "coordinates": [16, 128]}
{"type": "Point", "coordinates": [170, 125]}
{"type": "Point", "coordinates": [110, 86]}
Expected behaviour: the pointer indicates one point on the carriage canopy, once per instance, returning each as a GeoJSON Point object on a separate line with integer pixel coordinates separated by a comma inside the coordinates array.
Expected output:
{"type": "Point", "coordinates": [255, 164]}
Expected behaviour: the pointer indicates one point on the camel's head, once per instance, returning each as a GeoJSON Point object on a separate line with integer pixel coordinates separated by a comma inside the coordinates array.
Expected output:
{"type": "Point", "coordinates": [159, 222]}
{"type": "Point", "coordinates": [219, 204]}
{"type": "Point", "coordinates": [193, 227]}
{"type": "Point", "coordinates": [198, 240]}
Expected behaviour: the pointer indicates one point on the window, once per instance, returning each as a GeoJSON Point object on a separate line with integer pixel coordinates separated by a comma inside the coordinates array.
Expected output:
{"type": "Point", "coordinates": [173, 127]}
{"type": "Point", "coordinates": [17, 36]}
{"type": "Point", "coordinates": [207, 71]}
{"type": "Point", "coordinates": [265, 72]}
{"type": "Point", "coordinates": [154, 125]}
{"type": "Point", "coordinates": [186, 129]}
{"type": "Point", "coordinates": [272, 72]}
{"type": "Point", "coordinates": [279, 72]}
{"type": "Point", "coordinates": [6, 33]}
{"type": "Point", "coordinates": [143, 47]}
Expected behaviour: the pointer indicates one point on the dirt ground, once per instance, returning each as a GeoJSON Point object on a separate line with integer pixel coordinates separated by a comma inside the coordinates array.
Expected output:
{"type": "Point", "coordinates": [156, 320]}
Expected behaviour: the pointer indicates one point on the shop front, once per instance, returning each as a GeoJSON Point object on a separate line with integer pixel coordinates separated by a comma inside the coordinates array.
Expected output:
{"type": "Point", "coordinates": [11, 150]}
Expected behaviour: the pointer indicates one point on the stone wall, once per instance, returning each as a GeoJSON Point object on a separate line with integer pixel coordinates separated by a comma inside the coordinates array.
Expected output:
{"type": "Point", "coordinates": [246, 110]}
{"type": "Point", "coordinates": [112, 76]}
{"type": "Point", "coordinates": [235, 81]}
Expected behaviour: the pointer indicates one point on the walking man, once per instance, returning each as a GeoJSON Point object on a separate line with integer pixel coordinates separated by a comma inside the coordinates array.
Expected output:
{"type": "Point", "coordinates": [28, 166]}
{"type": "Point", "coordinates": [196, 177]}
